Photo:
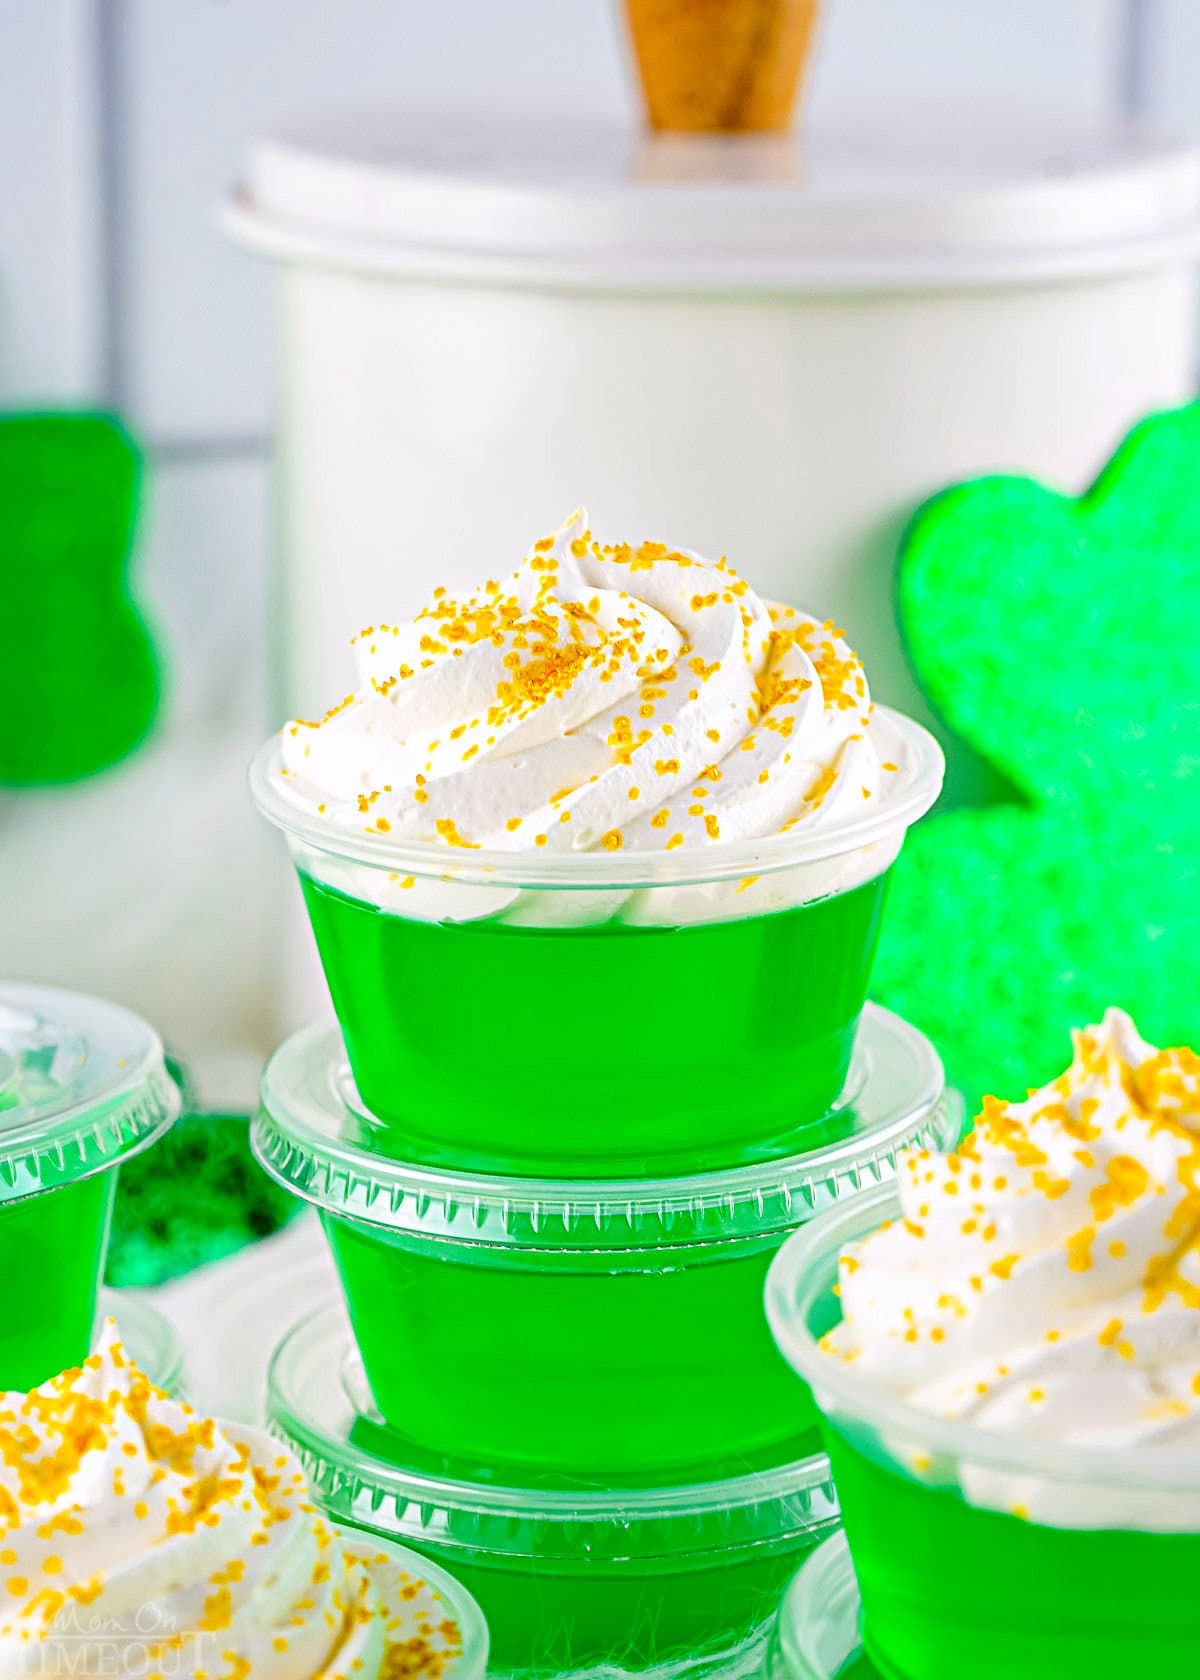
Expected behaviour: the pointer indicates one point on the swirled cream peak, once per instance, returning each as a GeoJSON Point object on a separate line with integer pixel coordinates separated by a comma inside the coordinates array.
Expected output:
{"type": "Point", "coordinates": [137, 1537]}
{"type": "Point", "coordinates": [622, 697]}
{"type": "Point", "coordinates": [1044, 1278]}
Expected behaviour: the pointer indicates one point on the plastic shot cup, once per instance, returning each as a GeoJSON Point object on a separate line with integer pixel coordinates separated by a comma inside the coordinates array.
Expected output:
{"type": "Point", "coordinates": [149, 1338]}
{"type": "Point", "coordinates": [82, 1088]}
{"type": "Point", "coordinates": [601, 1012]}
{"type": "Point", "coordinates": [580, 1326]}
{"type": "Point", "coordinates": [817, 1635]}
{"type": "Point", "coordinates": [430, 1594]}
{"type": "Point", "coordinates": [573, 1578]}
{"type": "Point", "coordinates": [1070, 1563]}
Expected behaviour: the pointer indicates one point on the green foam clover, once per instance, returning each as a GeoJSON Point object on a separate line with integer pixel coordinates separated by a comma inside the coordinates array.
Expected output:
{"type": "Point", "coordinates": [197, 1196]}
{"type": "Point", "coordinates": [1058, 637]}
{"type": "Point", "coordinates": [79, 675]}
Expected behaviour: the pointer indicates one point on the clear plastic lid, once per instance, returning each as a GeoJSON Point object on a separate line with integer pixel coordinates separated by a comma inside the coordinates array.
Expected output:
{"type": "Point", "coordinates": [314, 1404]}
{"type": "Point", "coordinates": [83, 1085]}
{"type": "Point", "coordinates": [150, 1338]}
{"type": "Point", "coordinates": [817, 1635]}
{"type": "Point", "coordinates": [315, 1137]}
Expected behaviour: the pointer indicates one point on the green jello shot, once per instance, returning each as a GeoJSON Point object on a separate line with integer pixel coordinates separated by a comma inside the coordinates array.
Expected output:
{"type": "Point", "coordinates": [572, 1578]}
{"type": "Point", "coordinates": [82, 1088]}
{"type": "Point", "coordinates": [589, 1327]}
{"type": "Point", "coordinates": [606, 1013]}
{"type": "Point", "coordinates": [1097, 1585]}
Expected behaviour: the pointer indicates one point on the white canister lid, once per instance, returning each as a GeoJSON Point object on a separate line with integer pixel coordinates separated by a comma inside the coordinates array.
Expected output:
{"type": "Point", "coordinates": [904, 198]}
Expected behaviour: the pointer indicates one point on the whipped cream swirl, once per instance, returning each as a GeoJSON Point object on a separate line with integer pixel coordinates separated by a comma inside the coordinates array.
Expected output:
{"type": "Point", "coordinates": [1044, 1279]}
{"type": "Point", "coordinates": [636, 699]}
{"type": "Point", "coordinates": [137, 1537]}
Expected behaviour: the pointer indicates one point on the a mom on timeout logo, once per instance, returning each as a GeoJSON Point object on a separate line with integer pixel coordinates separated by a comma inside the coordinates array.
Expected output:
{"type": "Point", "coordinates": [146, 1643]}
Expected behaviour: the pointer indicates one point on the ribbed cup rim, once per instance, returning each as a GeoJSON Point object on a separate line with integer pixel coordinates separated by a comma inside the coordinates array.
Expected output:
{"type": "Point", "coordinates": [112, 1095]}
{"type": "Point", "coordinates": [299, 1138]}
{"type": "Point", "coordinates": [309, 1410]}
{"type": "Point", "coordinates": [802, 1274]}
{"type": "Point", "coordinates": [609, 871]}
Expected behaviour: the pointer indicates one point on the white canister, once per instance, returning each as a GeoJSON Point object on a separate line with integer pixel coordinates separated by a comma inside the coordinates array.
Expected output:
{"type": "Point", "coordinates": [767, 348]}
{"type": "Point", "coordinates": [771, 349]}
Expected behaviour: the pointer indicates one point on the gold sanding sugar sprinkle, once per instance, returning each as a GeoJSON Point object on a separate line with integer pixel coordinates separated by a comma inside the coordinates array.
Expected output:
{"type": "Point", "coordinates": [774, 688]}
{"type": "Point", "coordinates": [820, 788]}
{"type": "Point", "coordinates": [843, 681]}
{"type": "Point", "coordinates": [545, 646]}
{"type": "Point", "coordinates": [1167, 1081]}
{"type": "Point", "coordinates": [448, 831]}
{"type": "Point", "coordinates": [406, 1659]}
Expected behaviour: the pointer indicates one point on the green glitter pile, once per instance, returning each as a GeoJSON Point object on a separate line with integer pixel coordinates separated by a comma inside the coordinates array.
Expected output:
{"type": "Point", "coordinates": [197, 1196]}
{"type": "Point", "coordinates": [1059, 637]}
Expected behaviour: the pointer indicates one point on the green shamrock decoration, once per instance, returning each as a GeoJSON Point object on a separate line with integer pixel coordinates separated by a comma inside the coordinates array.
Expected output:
{"type": "Point", "coordinates": [1059, 638]}
{"type": "Point", "coordinates": [79, 677]}
{"type": "Point", "coordinates": [197, 1196]}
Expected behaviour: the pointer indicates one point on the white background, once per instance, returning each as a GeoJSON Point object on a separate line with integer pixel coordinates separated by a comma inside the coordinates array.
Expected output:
{"type": "Point", "coordinates": [122, 123]}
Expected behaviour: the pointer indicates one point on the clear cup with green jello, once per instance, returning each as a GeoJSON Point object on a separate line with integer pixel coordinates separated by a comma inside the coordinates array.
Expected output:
{"type": "Point", "coordinates": [596, 860]}
{"type": "Point", "coordinates": [83, 1087]}
{"type": "Point", "coordinates": [576, 1577]}
{"type": "Point", "coordinates": [1005, 1347]}
{"type": "Point", "coordinates": [586, 1327]}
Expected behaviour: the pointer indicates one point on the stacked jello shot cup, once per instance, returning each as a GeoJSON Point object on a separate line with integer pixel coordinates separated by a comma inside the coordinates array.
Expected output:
{"type": "Point", "coordinates": [595, 858]}
{"type": "Point", "coordinates": [1005, 1347]}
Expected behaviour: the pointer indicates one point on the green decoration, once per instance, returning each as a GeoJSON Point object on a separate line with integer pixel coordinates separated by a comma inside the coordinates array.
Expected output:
{"type": "Point", "coordinates": [79, 676]}
{"type": "Point", "coordinates": [1059, 638]}
{"type": "Point", "coordinates": [197, 1196]}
